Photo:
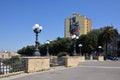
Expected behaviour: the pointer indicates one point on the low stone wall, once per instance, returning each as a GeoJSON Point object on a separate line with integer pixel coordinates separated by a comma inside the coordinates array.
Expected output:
{"type": "Point", "coordinates": [34, 64]}
{"type": "Point", "coordinates": [72, 61]}
{"type": "Point", "coordinates": [81, 58]}
{"type": "Point", "coordinates": [99, 58]}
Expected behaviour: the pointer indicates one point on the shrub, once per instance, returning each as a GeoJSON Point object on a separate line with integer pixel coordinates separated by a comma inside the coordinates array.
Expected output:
{"type": "Point", "coordinates": [62, 54]}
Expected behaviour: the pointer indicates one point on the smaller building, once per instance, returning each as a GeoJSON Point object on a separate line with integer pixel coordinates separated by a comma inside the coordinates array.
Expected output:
{"type": "Point", "coordinates": [6, 54]}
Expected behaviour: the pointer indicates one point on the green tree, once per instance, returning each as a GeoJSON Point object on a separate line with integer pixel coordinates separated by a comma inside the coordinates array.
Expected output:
{"type": "Point", "coordinates": [107, 36]}
{"type": "Point", "coordinates": [93, 41]}
{"type": "Point", "coordinates": [60, 45]}
{"type": "Point", "coordinates": [26, 51]}
{"type": "Point", "coordinates": [89, 42]}
{"type": "Point", "coordinates": [84, 40]}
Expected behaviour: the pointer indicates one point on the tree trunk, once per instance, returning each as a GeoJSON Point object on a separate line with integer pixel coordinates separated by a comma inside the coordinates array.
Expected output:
{"type": "Point", "coordinates": [106, 50]}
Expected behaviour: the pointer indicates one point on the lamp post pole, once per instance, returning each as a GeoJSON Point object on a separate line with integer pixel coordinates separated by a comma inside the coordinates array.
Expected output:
{"type": "Point", "coordinates": [47, 44]}
{"type": "Point", "coordinates": [74, 37]}
{"type": "Point", "coordinates": [37, 29]}
{"type": "Point", "coordinates": [80, 45]}
{"type": "Point", "coordinates": [99, 50]}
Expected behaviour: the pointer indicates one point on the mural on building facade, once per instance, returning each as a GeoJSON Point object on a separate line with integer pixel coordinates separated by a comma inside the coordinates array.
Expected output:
{"type": "Point", "coordinates": [74, 27]}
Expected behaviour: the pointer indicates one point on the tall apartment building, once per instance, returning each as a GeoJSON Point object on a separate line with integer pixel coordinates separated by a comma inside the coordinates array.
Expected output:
{"type": "Point", "coordinates": [78, 25]}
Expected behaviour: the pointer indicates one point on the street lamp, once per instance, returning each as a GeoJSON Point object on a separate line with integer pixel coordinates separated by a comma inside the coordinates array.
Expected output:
{"type": "Point", "coordinates": [100, 47]}
{"type": "Point", "coordinates": [37, 29]}
{"type": "Point", "coordinates": [74, 38]}
{"type": "Point", "coordinates": [47, 43]}
{"type": "Point", "coordinates": [80, 45]}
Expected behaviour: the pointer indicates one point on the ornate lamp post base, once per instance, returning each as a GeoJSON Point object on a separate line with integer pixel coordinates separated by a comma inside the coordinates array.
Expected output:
{"type": "Point", "coordinates": [74, 54]}
{"type": "Point", "coordinates": [36, 53]}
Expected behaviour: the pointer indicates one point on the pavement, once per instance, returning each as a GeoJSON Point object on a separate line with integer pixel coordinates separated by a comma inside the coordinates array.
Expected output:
{"type": "Point", "coordinates": [89, 70]}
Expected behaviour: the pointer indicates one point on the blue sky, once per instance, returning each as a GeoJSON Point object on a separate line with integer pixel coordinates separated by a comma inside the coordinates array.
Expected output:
{"type": "Point", "coordinates": [17, 18]}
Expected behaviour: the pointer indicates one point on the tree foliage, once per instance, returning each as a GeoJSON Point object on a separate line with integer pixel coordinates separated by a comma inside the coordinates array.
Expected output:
{"type": "Point", "coordinates": [55, 47]}
{"type": "Point", "coordinates": [108, 35]}
{"type": "Point", "coordinates": [27, 51]}
{"type": "Point", "coordinates": [90, 43]}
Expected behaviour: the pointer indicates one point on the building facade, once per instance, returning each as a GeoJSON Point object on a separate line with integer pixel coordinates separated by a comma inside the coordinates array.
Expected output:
{"type": "Point", "coordinates": [78, 25]}
{"type": "Point", "coordinates": [5, 55]}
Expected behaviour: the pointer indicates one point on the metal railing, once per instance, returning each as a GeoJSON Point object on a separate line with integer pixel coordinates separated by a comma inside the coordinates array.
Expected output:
{"type": "Point", "coordinates": [57, 61]}
{"type": "Point", "coordinates": [9, 66]}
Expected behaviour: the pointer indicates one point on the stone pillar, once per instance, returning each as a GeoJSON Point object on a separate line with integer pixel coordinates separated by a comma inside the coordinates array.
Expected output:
{"type": "Point", "coordinates": [72, 61]}
{"type": "Point", "coordinates": [34, 64]}
{"type": "Point", "coordinates": [100, 58]}
{"type": "Point", "coordinates": [91, 57]}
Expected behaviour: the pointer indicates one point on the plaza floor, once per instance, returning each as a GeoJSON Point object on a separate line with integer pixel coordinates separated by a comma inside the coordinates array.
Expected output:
{"type": "Point", "coordinates": [89, 70]}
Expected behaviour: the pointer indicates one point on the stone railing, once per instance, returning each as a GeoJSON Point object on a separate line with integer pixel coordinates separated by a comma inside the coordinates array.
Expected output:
{"type": "Point", "coordinates": [99, 58]}
{"type": "Point", "coordinates": [35, 64]}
